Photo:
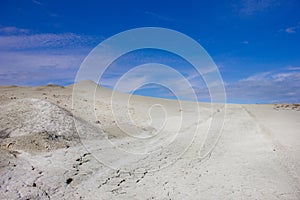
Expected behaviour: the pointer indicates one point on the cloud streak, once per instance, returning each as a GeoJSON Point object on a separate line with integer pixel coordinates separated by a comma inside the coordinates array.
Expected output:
{"type": "Point", "coordinates": [159, 16]}
{"type": "Point", "coordinates": [252, 7]}
{"type": "Point", "coordinates": [267, 87]}
{"type": "Point", "coordinates": [293, 29]}
{"type": "Point", "coordinates": [12, 30]}
{"type": "Point", "coordinates": [281, 86]}
{"type": "Point", "coordinates": [31, 59]}
{"type": "Point", "coordinates": [35, 59]}
{"type": "Point", "coordinates": [46, 40]}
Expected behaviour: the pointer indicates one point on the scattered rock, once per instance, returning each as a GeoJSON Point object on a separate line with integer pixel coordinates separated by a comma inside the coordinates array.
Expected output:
{"type": "Point", "coordinates": [68, 181]}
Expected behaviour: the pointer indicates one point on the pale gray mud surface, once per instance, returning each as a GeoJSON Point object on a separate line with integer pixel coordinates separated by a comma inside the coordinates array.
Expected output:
{"type": "Point", "coordinates": [43, 157]}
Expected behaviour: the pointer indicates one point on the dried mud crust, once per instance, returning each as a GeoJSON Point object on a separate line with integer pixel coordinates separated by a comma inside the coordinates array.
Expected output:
{"type": "Point", "coordinates": [41, 141]}
{"type": "Point", "coordinates": [38, 125]}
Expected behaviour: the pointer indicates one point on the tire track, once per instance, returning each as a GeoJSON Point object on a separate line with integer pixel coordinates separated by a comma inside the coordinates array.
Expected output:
{"type": "Point", "coordinates": [281, 152]}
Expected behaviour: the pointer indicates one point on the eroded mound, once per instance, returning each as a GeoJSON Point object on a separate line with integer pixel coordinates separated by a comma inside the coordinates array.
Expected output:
{"type": "Point", "coordinates": [34, 124]}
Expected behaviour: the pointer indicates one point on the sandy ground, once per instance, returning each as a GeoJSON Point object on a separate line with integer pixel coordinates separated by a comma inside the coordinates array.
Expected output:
{"type": "Point", "coordinates": [147, 149]}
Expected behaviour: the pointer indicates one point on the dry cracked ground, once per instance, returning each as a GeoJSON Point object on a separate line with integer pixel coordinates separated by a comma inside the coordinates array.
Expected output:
{"type": "Point", "coordinates": [51, 150]}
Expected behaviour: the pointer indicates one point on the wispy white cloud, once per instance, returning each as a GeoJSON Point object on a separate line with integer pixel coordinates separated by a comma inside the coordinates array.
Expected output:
{"type": "Point", "coordinates": [290, 30]}
{"type": "Point", "coordinates": [251, 7]}
{"type": "Point", "coordinates": [293, 68]}
{"type": "Point", "coordinates": [28, 59]}
{"type": "Point", "coordinates": [12, 30]}
{"type": "Point", "coordinates": [160, 16]}
{"type": "Point", "coordinates": [37, 2]}
{"type": "Point", "coordinates": [34, 68]}
{"type": "Point", "coordinates": [265, 87]}
{"type": "Point", "coordinates": [31, 59]}
{"type": "Point", "coordinates": [34, 60]}
{"type": "Point", "coordinates": [293, 29]}
{"type": "Point", "coordinates": [45, 40]}
{"type": "Point", "coordinates": [268, 87]}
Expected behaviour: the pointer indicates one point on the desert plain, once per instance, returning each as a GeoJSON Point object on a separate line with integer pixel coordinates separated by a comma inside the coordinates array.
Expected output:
{"type": "Point", "coordinates": [57, 145]}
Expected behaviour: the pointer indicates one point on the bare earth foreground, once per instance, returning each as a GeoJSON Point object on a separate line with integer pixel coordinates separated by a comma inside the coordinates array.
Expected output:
{"type": "Point", "coordinates": [48, 150]}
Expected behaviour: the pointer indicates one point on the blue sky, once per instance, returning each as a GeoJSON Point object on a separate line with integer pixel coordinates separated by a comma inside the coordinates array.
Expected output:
{"type": "Point", "coordinates": [255, 43]}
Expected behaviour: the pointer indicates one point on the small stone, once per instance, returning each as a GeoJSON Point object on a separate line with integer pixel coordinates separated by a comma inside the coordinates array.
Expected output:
{"type": "Point", "coordinates": [69, 180]}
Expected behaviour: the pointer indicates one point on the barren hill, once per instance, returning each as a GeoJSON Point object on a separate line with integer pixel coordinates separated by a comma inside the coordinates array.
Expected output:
{"type": "Point", "coordinates": [95, 146]}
